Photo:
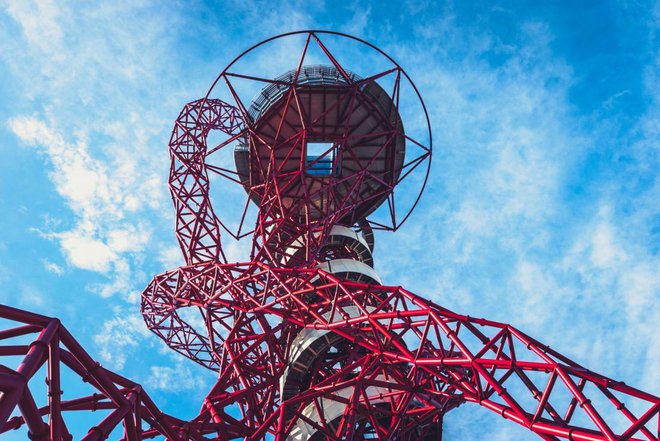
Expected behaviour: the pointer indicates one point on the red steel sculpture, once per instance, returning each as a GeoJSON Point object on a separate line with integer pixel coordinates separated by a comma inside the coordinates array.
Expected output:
{"type": "Point", "coordinates": [307, 342]}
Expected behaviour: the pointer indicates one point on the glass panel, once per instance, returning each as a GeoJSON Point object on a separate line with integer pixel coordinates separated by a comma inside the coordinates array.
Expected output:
{"type": "Point", "coordinates": [320, 158]}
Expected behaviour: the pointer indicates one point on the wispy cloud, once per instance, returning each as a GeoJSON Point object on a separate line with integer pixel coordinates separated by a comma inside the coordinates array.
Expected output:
{"type": "Point", "coordinates": [177, 378]}
{"type": "Point", "coordinates": [537, 213]}
{"type": "Point", "coordinates": [502, 231]}
{"type": "Point", "coordinates": [120, 336]}
{"type": "Point", "coordinates": [53, 267]}
{"type": "Point", "coordinates": [100, 160]}
{"type": "Point", "coordinates": [99, 196]}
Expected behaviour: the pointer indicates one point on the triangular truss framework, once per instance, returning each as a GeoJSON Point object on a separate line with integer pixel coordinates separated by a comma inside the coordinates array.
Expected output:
{"type": "Point", "coordinates": [387, 363]}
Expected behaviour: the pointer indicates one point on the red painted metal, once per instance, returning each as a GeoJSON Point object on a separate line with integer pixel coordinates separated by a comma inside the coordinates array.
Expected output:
{"type": "Point", "coordinates": [117, 400]}
{"type": "Point", "coordinates": [302, 352]}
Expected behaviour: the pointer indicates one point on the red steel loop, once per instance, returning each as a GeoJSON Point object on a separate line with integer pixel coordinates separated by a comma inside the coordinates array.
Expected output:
{"type": "Point", "coordinates": [307, 342]}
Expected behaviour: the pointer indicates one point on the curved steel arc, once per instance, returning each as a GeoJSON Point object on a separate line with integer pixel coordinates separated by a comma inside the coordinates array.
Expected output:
{"type": "Point", "coordinates": [302, 353]}
{"type": "Point", "coordinates": [431, 356]}
{"type": "Point", "coordinates": [452, 357]}
{"type": "Point", "coordinates": [197, 226]}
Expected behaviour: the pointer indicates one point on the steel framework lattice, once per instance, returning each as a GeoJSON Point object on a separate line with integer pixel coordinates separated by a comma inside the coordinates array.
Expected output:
{"type": "Point", "coordinates": [307, 342]}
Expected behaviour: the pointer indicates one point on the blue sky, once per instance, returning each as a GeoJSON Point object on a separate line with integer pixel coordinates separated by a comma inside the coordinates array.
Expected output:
{"type": "Point", "coordinates": [542, 208]}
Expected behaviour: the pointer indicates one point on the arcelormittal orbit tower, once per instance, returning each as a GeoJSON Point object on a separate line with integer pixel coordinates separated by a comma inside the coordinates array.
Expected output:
{"type": "Point", "coordinates": [327, 140]}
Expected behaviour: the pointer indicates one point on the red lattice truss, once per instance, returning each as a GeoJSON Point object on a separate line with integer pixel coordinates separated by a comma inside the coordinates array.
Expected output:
{"type": "Point", "coordinates": [401, 362]}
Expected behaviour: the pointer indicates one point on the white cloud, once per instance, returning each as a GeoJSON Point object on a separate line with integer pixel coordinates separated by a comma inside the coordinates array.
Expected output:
{"type": "Point", "coordinates": [171, 257]}
{"type": "Point", "coordinates": [237, 250]}
{"type": "Point", "coordinates": [495, 233]}
{"type": "Point", "coordinates": [130, 238]}
{"type": "Point", "coordinates": [39, 21]}
{"type": "Point", "coordinates": [97, 194]}
{"type": "Point", "coordinates": [179, 378]}
{"type": "Point", "coordinates": [78, 178]}
{"type": "Point", "coordinates": [31, 298]}
{"type": "Point", "coordinates": [605, 252]}
{"type": "Point", "coordinates": [98, 122]}
{"type": "Point", "coordinates": [122, 281]}
{"type": "Point", "coordinates": [640, 286]}
{"type": "Point", "coordinates": [100, 193]}
{"type": "Point", "coordinates": [358, 24]}
{"type": "Point", "coordinates": [504, 141]}
{"type": "Point", "coordinates": [86, 252]}
{"type": "Point", "coordinates": [622, 279]}
{"type": "Point", "coordinates": [119, 335]}
{"type": "Point", "coordinates": [93, 188]}
{"type": "Point", "coordinates": [53, 267]}
{"type": "Point", "coordinates": [536, 291]}
{"type": "Point", "coordinates": [502, 231]}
